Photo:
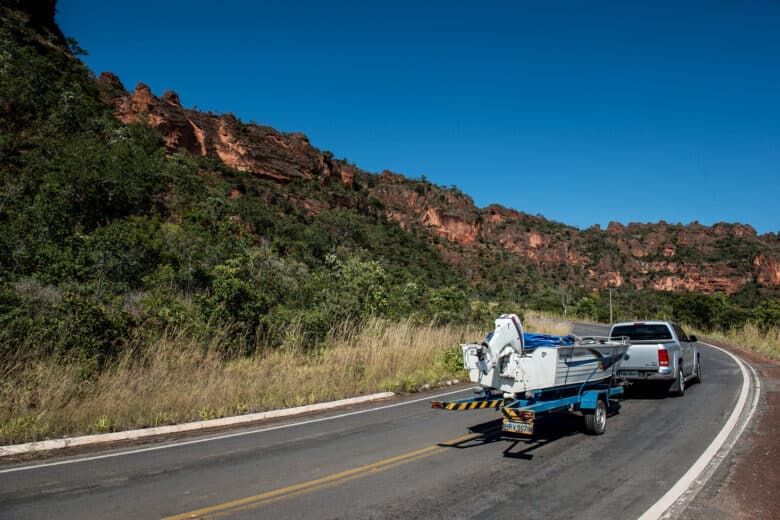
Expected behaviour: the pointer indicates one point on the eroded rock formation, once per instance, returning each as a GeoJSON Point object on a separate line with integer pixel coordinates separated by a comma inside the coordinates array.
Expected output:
{"type": "Point", "coordinates": [253, 148]}
{"type": "Point", "coordinates": [662, 256]}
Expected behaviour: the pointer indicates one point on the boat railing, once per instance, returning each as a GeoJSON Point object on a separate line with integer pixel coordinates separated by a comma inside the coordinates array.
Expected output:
{"type": "Point", "coordinates": [602, 340]}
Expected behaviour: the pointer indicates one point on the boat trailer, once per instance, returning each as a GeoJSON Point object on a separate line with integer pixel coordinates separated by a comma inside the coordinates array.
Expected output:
{"type": "Point", "coordinates": [592, 400]}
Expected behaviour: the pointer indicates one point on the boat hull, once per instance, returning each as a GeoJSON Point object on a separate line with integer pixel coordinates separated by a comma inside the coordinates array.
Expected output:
{"type": "Point", "coordinates": [544, 367]}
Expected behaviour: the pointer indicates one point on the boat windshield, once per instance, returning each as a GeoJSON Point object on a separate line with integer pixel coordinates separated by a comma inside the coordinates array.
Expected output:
{"type": "Point", "coordinates": [642, 331]}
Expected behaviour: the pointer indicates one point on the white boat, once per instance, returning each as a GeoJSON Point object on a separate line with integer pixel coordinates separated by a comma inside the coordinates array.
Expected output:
{"type": "Point", "coordinates": [516, 363]}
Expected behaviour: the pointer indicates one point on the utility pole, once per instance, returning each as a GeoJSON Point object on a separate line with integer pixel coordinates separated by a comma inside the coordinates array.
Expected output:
{"type": "Point", "coordinates": [610, 304]}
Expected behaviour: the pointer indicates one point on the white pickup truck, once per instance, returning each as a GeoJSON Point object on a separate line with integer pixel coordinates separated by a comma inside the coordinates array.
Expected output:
{"type": "Point", "coordinates": [660, 352]}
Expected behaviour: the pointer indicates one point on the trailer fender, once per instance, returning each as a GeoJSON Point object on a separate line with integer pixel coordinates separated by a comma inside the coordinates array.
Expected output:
{"type": "Point", "coordinates": [590, 398]}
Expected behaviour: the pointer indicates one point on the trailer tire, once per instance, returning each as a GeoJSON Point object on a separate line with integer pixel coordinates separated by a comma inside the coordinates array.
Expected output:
{"type": "Point", "coordinates": [596, 419]}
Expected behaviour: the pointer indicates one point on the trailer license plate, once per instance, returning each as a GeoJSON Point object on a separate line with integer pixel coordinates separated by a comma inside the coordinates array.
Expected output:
{"type": "Point", "coordinates": [628, 373]}
{"type": "Point", "coordinates": [519, 427]}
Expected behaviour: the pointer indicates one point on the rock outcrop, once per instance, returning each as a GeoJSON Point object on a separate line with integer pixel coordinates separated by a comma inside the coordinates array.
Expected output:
{"type": "Point", "coordinates": [767, 270]}
{"type": "Point", "coordinates": [661, 256]}
{"type": "Point", "coordinates": [252, 148]}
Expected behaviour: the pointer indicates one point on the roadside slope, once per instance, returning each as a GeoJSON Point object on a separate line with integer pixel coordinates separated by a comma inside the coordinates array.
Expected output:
{"type": "Point", "coordinates": [746, 486]}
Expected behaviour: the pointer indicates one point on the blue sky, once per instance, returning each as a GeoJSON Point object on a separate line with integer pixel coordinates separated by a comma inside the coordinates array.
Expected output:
{"type": "Point", "coordinates": [584, 112]}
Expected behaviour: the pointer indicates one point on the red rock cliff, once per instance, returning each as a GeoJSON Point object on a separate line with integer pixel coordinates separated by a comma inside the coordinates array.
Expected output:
{"type": "Point", "coordinates": [257, 149]}
{"type": "Point", "coordinates": [662, 256]}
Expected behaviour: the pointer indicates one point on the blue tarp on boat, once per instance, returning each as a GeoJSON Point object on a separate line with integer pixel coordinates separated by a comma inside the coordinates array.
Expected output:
{"type": "Point", "coordinates": [545, 340]}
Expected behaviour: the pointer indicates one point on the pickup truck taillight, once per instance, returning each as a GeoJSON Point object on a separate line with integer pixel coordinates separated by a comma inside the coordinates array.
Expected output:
{"type": "Point", "coordinates": [663, 357]}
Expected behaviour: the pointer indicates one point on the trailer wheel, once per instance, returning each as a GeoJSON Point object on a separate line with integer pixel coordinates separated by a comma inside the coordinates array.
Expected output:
{"type": "Point", "coordinates": [596, 420]}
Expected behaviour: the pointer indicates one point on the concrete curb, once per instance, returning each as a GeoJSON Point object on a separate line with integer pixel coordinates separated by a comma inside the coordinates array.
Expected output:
{"type": "Point", "coordinates": [102, 438]}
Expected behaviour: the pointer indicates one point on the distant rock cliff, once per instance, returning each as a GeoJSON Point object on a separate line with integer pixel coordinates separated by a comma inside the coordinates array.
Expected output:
{"type": "Point", "coordinates": [660, 256]}
{"type": "Point", "coordinates": [260, 150]}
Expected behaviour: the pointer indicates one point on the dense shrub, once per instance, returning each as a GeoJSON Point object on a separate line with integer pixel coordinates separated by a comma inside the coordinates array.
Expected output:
{"type": "Point", "coordinates": [448, 304]}
{"type": "Point", "coordinates": [86, 332]}
{"type": "Point", "coordinates": [767, 315]}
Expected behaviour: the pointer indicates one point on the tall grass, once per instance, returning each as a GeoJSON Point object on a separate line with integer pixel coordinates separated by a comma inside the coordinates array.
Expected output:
{"type": "Point", "coordinates": [765, 342]}
{"type": "Point", "coordinates": [543, 323]}
{"type": "Point", "coordinates": [179, 378]}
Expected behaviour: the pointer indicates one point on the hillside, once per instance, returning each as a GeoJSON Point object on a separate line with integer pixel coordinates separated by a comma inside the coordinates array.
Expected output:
{"type": "Point", "coordinates": [125, 216]}
{"type": "Point", "coordinates": [663, 257]}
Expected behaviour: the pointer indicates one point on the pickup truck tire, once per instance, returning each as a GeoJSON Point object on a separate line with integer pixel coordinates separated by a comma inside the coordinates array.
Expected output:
{"type": "Point", "coordinates": [678, 387]}
{"type": "Point", "coordinates": [697, 370]}
{"type": "Point", "coordinates": [596, 420]}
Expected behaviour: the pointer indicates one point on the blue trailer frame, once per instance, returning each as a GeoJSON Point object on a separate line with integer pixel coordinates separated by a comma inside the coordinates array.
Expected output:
{"type": "Point", "coordinates": [591, 399]}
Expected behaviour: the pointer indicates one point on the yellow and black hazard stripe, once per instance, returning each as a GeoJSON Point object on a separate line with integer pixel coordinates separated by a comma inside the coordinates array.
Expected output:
{"type": "Point", "coordinates": [469, 405]}
{"type": "Point", "coordinates": [512, 414]}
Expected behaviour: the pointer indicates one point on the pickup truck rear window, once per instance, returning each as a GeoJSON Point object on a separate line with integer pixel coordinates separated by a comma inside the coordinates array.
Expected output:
{"type": "Point", "coordinates": [642, 332]}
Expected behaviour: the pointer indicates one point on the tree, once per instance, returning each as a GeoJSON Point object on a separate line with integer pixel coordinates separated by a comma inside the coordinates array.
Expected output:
{"type": "Point", "coordinates": [565, 298]}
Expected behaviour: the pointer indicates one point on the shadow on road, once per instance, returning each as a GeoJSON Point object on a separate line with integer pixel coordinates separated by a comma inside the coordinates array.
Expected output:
{"type": "Point", "coordinates": [647, 391]}
{"type": "Point", "coordinates": [486, 433]}
{"type": "Point", "coordinates": [547, 428]}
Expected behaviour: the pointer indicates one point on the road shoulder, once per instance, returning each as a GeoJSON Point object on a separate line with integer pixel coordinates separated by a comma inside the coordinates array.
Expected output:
{"type": "Point", "coordinates": [745, 486]}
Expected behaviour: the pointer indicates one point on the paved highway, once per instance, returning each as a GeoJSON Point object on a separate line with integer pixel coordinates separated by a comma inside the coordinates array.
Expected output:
{"type": "Point", "coordinates": [399, 459]}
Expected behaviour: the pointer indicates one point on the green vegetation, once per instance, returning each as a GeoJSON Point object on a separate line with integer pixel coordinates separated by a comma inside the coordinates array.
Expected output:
{"type": "Point", "coordinates": [708, 312]}
{"type": "Point", "coordinates": [106, 239]}
{"type": "Point", "coordinates": [116, 256]}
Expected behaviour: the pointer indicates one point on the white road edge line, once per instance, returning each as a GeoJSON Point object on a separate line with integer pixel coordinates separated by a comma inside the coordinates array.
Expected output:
{"type": "Point", "coordinates": [224, 436]}
{"type": "Point", "coordinates": [657, 510]}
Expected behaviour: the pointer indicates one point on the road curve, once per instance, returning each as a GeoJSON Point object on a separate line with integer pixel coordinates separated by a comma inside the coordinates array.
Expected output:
{"type": "Point", "coordinates": [403, 460]}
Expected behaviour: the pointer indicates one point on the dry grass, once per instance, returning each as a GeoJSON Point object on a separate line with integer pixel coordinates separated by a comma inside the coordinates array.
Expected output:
{"type": "Point", "coordinates": [545, 324]}
{"type": "Point", "coordinates": [179, 379]}
{"type": "Point", "coordinates": [750, 337]}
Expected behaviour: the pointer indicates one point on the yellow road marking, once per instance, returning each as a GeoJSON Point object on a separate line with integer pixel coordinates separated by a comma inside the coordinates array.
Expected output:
{"type": "Point", "coordinates": [321, 483]}
{"type": "Point", "coordinates": [329, 484]}
{"type": "Point", "coordinates": [458, 440]}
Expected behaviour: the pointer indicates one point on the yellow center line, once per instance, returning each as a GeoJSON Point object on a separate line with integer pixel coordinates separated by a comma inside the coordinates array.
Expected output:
{"type": "Point", "coordinates": [320, 483]}
{"type": "Point", "coordinates": [326, 485]}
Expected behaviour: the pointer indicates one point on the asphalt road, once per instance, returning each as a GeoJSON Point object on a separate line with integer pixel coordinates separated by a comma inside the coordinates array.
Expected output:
{"type": "Point", "coordinates": [396, 460]}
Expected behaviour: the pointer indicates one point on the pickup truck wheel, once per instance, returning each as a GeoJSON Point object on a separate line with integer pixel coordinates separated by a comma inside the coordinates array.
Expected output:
{"type": "Point", "coordinates": [678, 387]}
{"type": "Point", "coordinates": [596, 420]}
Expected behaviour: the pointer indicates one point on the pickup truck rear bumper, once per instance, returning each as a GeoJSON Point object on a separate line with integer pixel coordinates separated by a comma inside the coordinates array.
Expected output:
{"type": "Point", "coordinates": [645, 375]}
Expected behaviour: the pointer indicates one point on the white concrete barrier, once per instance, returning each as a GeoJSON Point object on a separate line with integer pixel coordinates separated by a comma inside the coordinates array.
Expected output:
{"type": "Point", "coordinates": [90, 440]}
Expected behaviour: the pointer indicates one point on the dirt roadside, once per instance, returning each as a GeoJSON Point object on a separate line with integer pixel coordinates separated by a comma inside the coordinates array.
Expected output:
{"type": "Point", "coordinates": [747, 485]}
